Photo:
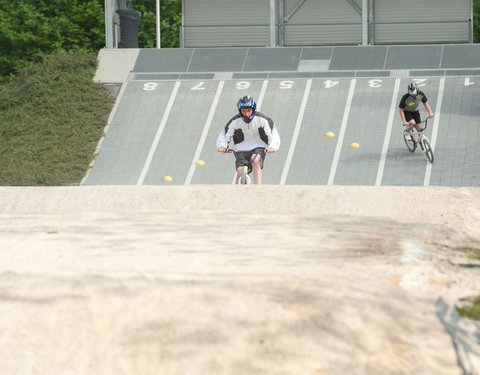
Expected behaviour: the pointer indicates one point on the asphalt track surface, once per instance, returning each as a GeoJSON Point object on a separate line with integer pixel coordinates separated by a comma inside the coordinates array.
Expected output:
{"type": "Point", "coordinates": [162, 127]}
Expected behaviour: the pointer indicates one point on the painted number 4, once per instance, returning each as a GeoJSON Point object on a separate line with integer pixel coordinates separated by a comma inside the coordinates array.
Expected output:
{"type": "Point", "coordinates": [468, 83]}
{"type": "Point", "coordinates": [329, 83]}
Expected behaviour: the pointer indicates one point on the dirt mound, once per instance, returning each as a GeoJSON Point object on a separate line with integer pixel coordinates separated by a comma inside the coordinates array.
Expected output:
{"type": "Point", "coordinates": [232, 279]}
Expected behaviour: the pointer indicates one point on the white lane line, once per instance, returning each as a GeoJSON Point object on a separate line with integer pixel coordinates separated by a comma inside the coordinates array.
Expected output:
{"type": "Point", "coordinates": [346, 113]}
{"type": "Point", "coordinates": [388, 133]}
{"type": "Point", "coordinates": [296, 132]}
{"type": "Point", "coordinates": [201, 142]}
{"type": "Point", "coordinates": [154, 145]}
{"type": "Point", "coordinates": [436, 121]}
{"type": "Point", "coordinates": [262, 93]}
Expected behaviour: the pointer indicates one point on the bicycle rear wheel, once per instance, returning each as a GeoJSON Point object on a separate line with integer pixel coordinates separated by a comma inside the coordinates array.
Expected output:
{"type": "Point", "coordinates": [428, 149]}
{"type": "Point", "coordinates": [409, 142]}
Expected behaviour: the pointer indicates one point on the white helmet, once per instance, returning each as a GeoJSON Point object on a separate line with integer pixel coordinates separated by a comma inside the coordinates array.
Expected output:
{"type": "Point", "coordinates": [413, 88]}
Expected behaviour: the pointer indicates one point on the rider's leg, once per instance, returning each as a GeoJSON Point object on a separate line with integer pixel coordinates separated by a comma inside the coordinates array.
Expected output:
{"type": "Point", "coordinates": [418, 120]}
{"type": "Point", "coordinates": [257, 169]}
{"type": "Point", "coordinates": [238, 175]}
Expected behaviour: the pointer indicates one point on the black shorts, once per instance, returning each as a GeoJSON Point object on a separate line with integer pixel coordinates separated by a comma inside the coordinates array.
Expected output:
{"type": "Point", "coordinates": [412, 115]}
{"type": "Point", "coordinates": [245, 157]}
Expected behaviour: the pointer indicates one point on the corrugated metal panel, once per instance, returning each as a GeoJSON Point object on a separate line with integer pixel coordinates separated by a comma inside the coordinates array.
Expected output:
{"type": "Point", "coordinates": [427, 21]}
{"type": "Point", "coordinates": [427, 33]}
{"type": "Point", "coordinates": [224, 23]}
{"type": "Point", "coordinates": [214, 23]}
{"type": "Point", "coordinates": [322, 11]}
{"type": "Point", "coordinates": [227, 37]}
{"type": "Point", "coordinates": [323, 35]}
{"type": "Point", "coordinates": [324, 22]}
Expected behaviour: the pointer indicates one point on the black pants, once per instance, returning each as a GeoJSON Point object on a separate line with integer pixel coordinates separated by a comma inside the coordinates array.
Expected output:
{"type": "Point", "coordinates": [245, 158]}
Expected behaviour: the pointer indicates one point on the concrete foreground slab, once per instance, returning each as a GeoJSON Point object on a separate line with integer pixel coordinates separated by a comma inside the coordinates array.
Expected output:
{"type": "Point", "coordinates": [234, 280]}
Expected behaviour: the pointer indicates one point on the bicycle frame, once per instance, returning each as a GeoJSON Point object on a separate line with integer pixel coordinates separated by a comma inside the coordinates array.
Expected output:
{"type": "Point", "coordinates": [244, 177]}
{"type": "Point", "coordinates": [412, 137]}
{"type": "Point", "coordinates": [418, 134]}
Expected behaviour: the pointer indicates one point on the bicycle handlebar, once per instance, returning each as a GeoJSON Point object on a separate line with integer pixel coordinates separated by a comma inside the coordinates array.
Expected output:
{"type": "Point", "coordinates": [232, 151]}
{"type": "Point", "coordinates": [424, 122]}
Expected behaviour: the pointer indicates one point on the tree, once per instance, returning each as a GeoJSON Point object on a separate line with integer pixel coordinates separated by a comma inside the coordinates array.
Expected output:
{"type": "Point", "coordinates": [31, 27]}
{"type": "Point", "coordinates": [170, 21]}
{"type": "Point", "coordinates": [476, 21]}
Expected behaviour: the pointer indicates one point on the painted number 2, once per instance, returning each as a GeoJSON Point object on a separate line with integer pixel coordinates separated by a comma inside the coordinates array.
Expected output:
{"type": "Point", "coordinates": [199, 86]}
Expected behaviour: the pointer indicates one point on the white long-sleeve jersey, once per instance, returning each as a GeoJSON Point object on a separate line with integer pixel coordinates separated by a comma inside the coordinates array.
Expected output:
{"type": "Point", "coordinates": [260, 132]}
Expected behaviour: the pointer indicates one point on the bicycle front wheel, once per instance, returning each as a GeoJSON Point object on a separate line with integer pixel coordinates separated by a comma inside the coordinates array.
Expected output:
{"type": "Point", "coordinates": [245, 178]}
{"type": "Point", "coordinates": [428, 149]}
{"type": "Point", "coordinates": [411, 144]}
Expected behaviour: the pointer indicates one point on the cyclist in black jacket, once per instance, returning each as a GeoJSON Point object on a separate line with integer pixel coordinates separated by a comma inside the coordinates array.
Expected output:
{"type": "Point", "coordinates": [409, 106]}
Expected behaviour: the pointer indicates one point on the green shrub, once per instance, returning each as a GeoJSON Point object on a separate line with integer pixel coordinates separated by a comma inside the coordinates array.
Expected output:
{"type": "Point", "coordinates": [51, 119]}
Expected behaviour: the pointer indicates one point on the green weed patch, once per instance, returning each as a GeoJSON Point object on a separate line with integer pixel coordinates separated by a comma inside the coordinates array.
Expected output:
{"type": "Point", "coordinates": [51, 118]}
{"type": "Point", "coordinates": [471, 309]}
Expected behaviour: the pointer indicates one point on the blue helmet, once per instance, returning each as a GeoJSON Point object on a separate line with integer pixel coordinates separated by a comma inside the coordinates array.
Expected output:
{"type": "Point", "coordinates": [247, 102]}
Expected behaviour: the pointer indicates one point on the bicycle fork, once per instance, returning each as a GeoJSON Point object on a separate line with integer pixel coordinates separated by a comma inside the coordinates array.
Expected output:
{"type": "Point", "coordinates": [420, 140]}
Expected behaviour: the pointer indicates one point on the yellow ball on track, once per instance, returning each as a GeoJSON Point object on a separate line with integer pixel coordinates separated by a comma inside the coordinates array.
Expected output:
{"type": "Point", "coordinates": [329, 134]}
{"type": "Point", "coordinates": [200, 162]}
{"type": "Point", "coordinates": [354, 145]}
{"type": "Point", "coordinates": [167, 178]}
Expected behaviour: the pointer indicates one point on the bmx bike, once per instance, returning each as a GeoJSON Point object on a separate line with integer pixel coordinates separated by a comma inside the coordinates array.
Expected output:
{"type": "Point", "coordinates": [244, 177]}
{"type": "Point", "coordinates": [413, 137]}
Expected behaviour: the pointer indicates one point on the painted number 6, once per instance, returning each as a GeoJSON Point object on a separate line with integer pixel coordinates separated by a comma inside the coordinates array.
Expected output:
{"type": "Point", "coordinates": [243, 85]}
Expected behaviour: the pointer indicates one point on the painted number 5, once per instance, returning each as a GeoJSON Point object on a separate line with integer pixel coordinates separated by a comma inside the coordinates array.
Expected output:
{"type": "Point", "coordinates": [286, 84]}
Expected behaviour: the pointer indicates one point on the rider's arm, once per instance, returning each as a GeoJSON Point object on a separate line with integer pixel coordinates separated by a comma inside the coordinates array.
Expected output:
{"type": "Point", "coordinates": [402, 116]}
{"type": "Point", "coordinates": [401, 107]}
{"type": "Point", "coordinates": [221, 141]}
{"type": "Point", "coordinates": [429, 110]}
{"type": "Point", "coordinates": [273, 136]}
{"type": "Point", "coordinates": [225, 135]}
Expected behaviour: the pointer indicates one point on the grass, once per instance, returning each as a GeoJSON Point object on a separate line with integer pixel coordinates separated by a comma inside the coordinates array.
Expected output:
{"type": "Point", "coordinates": [472, 252]}
{"type": "Point", "coordinates": [471, 308]}
{"type": "Point", "coordinates": [52, 116]}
